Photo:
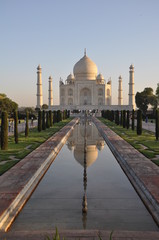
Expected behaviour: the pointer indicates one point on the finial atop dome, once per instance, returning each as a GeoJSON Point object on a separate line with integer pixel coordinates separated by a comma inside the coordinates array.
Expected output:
{"type": "Point", "coordinates": [85, 52]}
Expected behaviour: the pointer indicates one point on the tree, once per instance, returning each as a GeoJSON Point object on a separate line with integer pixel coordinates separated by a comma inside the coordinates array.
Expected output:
{"type": "Point", "coordinates": [16, 126]}
{"type": "Point", "coordinates": [127, 120]}
{"type": "Point", "coordinates": [51, 118]}
{"type": "Point", "coordinates": [121, 118]}
{"type": "Point", "coordinates": [44, 106]}
{"type": "Point", "coordinates": [39, 121]}
{"type": "Point", "coordinates": [47, 120]}
{"type": "Point", "coordinates": [144, 98]}
{"type": "Point", "coordinates": [133, 120]}
{"type": "Point", "coordinates": [43, 120]}
{"type": "Point", "coordinates": [124, 119]}
{"type": "Point", "coordinates": [157, 124]}
{"type": "Point", "coordinates": [7, 104]}
{"type": "Point", "coordinates": [157, 92]}
{"type": "Point", "coordinates": [139, 122]}
{"type": "Point", "coordinates": [27, 124]}
{"type": "Point", "coordinates": [4, 131]}
{"type": "Point", "coordinates": [59, 116]}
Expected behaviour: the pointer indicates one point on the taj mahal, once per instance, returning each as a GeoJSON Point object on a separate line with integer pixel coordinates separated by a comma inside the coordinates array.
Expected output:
{"type": "Point", "coordinates": [86, 89]}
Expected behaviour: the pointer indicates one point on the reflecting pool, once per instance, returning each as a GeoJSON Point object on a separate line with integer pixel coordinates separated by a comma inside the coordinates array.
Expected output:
{"type": "Point", "coordinates": [84, 188]}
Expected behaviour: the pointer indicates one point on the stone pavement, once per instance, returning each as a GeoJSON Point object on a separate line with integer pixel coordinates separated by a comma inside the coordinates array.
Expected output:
{"type": "Point", "coordinates": [143, 174]}
{"type": "Point", "coordinates": [21, 127]}
{"type": "Point", "coordinates": [147, 126]}
{"type": "Point", "coordinates": [17, 184]}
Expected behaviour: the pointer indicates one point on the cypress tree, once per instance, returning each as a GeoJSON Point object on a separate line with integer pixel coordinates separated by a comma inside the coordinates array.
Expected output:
{"type": "Point", "coordinates": [124, 119]}
{"type": "Point", "coordinates": [47, 120]}
{"type": "Point", "coordinates": [39, 121]}
{"type": "Point", "coordinates": [133, 120]}
{"type": "Point", "coordinates": [157, 124]}
{"type": "Point", "coordinates": [112, 115]}
{"type": "Point", "coordinates": [121, 118]}
{"type": "Point", "coordinates": [54, 117]}
{"type": "Point", "coordinates": [51, 118]}
{"type": "Point", "coordinates": [4, 131]}
{"type": "Point", "coordinates": [117, 117]}
{"type": "Point", "coordinates": [127, 120]}
{"type": "Point", "coordinates": [139, 122]}
{"type": "Point", "coordinates": [43, 120]}
{"type": "Point", "coordinates": [59, 116]}
{"type": "Point", "coordinates": [27, 124]}
{"type": "Point", "coordinates": [16, 126]}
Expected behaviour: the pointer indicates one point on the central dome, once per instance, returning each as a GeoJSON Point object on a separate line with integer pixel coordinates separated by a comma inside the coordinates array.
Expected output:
{"type": "Point", "coordinates": [85, 69]}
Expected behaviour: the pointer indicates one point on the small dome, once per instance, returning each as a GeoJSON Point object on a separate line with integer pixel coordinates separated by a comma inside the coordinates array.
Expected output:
{"type": "Point", "coordinates": [85, 68]}
{"type": "Point", "coordinates": [70, 77]}
{"type": "Point", "coordinates": [100, 77]}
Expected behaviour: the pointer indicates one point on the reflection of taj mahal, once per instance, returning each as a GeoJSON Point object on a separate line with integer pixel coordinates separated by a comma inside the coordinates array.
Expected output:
{"type": "Point", "coordinates": [94, 143]}
{"type": "Point", "coordinates": [85, 89]}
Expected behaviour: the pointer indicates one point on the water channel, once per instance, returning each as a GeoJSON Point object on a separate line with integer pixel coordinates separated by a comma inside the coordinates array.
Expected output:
{"type": "Point", "coordinates": [84, 188]}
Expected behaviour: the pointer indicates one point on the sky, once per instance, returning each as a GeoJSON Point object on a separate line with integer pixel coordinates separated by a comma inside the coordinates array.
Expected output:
{"type": "Point", "coordinates": [54, 33]}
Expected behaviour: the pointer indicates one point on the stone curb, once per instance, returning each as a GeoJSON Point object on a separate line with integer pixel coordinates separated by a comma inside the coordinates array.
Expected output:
{"type": "Point", "coordinates": [14, 208]}
{"type": "Point", "coordinates": [141, 188]}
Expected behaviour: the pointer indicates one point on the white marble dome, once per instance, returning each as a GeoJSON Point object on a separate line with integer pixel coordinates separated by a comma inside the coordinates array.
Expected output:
{"type": "Point", "coordinates": [85, 69]}
{"type": "Point", "coordinates": [70, 77]}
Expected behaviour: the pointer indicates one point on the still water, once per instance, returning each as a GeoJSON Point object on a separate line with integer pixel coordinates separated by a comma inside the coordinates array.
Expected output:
{"type": "Point", "coordinates": [111, 201]}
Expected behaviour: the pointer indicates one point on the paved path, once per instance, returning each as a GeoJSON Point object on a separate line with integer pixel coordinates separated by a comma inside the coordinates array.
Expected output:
{"type": "Point", "coordinates": [21, 127]}
{"type": "Point", "coordinates": [147, 126]}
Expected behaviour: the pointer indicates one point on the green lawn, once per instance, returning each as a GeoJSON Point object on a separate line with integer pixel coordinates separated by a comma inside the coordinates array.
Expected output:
{"type": "Point", "coordinates": [146, 143]}
{"type": "Point", "coordinates": [16, 152]}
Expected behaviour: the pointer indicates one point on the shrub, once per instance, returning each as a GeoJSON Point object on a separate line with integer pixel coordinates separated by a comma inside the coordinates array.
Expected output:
{"type": "Point", "coordinates": [124, 119]}
{"type": "Point", "coordinates": [157, 124]}
{"type": "Point", "coordinates": [16, 127]}
{"type": "Point", "coordinates": [4, 131]}
{"type": "Point", "coordinates": [27, 124]}
{"type": "Point", "coordinates": [39, 121]}
{"type": "Point", "coordinates": [127, 120]}
{"type": "Point", "coordinates": [133, 120]}
{"type": "Point", "coordinates": [43, 120]}
{"type": "Point", "coordinates": [139, 122]}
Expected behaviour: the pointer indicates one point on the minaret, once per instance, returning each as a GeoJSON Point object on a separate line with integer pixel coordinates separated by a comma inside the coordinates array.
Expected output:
{"type": "Point", "coordinates": [39, 88]}
{"type": "Point", "coordinates": [50, 102]}
{"type": "Point", "coordinates": [131, 87]}
{"type": "Point", "coordinates": [120, 92]}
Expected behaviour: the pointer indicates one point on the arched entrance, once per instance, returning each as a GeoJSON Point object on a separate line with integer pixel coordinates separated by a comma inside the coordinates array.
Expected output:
{"type": "Point", "coordinates": [85, 96]}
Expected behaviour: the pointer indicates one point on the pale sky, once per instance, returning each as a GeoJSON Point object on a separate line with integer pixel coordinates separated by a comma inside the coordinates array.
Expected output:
{"type": "Point", "coordinates": [54, 33]}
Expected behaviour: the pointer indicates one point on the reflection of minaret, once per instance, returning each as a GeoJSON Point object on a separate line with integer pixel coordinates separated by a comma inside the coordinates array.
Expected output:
{"type": "Point", "coordinates": [120, 92]}
{"type": "Point", "coordinates": [131, 87]}
{"type": "Point", "coordinates": [84, 203]}
{"type": "Point", "coordinates": [50, 102]}
{"type": "Point", "coordinates": [39, 88]}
